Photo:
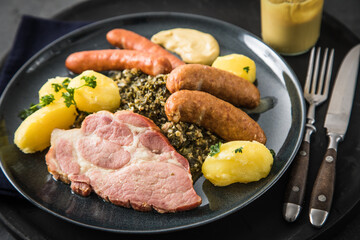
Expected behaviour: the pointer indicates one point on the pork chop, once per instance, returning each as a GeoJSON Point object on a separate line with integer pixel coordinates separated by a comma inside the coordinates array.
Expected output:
{"type": "Point", "coordinates": [124, 159]}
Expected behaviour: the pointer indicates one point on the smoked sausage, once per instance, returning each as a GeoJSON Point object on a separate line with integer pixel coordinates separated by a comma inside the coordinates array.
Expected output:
{"type": "Point", "coordinates": [218, 116]}
{"type": "Point", "coordinates": [129, 40]}
{"type": "Point", "coordinates": [116, 59]}
{"type": "Point", "coordinates": [220, 83]}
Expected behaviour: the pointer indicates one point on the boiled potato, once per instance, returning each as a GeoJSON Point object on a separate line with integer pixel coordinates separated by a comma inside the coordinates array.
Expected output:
{"type": "Point", "coordinates": [35, 131]}
{"type": "Point", "coordinates": [105, 96]}
{"type": "Point", "coordinates": [237, 64]}
{"type": "Point", "coordinates": [47, 88]}
{"type": "Point", "coordinates": [238, 161]}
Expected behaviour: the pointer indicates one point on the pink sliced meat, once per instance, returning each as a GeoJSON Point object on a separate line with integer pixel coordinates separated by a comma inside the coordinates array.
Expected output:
{"type": "Point", "coordinates": [124, 158]}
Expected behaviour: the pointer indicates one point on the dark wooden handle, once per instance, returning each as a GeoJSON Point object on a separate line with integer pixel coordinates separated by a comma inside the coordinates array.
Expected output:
{"type": "Point", "coordinates": [295, 189]}
{"type": "Point", "coordinates": [322, 193]}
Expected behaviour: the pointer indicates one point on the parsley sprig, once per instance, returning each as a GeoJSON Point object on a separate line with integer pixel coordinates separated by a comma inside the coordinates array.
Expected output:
{"type": "Point", "coordinates": [68, 95]}
{"type": "Point", "coordinates": [273, 153]}
{"type": "Point", "coordinates": [215, 149]}
{"type": "Point", "coordinates": [44, 101]}
{"type": "Point", "coordinates": [246, 69]}
{"type": "Point", "coordinates": [239, 150]}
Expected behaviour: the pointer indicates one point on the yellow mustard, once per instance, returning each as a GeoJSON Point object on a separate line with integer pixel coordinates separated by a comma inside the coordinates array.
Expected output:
{"type": "Point", "coordinates": [192, 45]}
{"type": "Point", "coordinates": [291, 26]}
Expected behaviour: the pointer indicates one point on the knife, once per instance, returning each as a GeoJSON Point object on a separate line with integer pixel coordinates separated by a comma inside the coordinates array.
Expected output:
{"type": "Point", "coordinates": [336, 123]}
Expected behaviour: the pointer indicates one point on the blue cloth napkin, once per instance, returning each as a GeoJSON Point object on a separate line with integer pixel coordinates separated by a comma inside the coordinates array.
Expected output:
{"type": "Point", "coordinates": [32, 35]}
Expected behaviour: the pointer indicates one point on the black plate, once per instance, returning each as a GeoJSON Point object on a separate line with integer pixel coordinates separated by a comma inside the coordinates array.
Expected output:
{"type": "Point", "coordinates": [283, 125]}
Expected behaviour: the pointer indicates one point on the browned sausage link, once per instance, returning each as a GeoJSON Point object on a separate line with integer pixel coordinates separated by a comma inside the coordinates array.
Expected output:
{"type": "Point", "coordinates": [116, 59]}
{"type": "Point", "coordinates": [220, 83]}
{"type": "Point", "coordinates": [214, 114]}
{"type": "Point", "coordinates": [129, 40]}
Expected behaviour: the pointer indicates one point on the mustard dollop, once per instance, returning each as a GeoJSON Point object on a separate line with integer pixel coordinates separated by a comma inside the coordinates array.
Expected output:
{"type": "Point", "coordinates": [191, 45]}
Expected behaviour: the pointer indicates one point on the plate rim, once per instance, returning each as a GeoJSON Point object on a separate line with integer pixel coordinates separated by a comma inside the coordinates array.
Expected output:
{"type": "Point", "coordinates": [90, 26]}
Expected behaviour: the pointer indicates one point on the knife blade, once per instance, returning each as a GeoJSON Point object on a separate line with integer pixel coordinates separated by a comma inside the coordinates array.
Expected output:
{"type": "Point", "coordinates": [336, 123]}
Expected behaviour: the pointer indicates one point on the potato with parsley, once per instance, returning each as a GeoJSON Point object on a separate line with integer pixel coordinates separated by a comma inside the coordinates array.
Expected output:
{"type": "Point", "coordinates": [40, 120]}
{"type": "Point", "coordinates": [105, 96]}
{"type": "Point", "coordinates": [34, 133]}
{"type": "Point", "coordinates": [237, 161]}
{"type": "Point", "coordinates": [237, 64]}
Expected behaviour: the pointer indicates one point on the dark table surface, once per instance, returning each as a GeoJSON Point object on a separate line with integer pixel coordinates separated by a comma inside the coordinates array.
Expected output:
{"type": "Point", "coordinates": [347, 12]}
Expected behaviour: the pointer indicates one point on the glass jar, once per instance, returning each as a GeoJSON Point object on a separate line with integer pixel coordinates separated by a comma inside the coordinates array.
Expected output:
{"type": "Point", "coordinates": [291, 27]}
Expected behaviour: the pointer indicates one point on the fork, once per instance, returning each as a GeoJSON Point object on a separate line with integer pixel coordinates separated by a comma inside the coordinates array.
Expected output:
{"type": "Point", "coordinates": [315, 93]}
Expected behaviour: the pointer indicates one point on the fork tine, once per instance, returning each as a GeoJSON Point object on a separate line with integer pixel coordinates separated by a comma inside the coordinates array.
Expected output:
{"type": "Point", "coordinates": [328, 73]}
{"type": "Point", "coordinates": [322, 73]}
{"type": "Point", "coordinates": [316, 71]}
{"type": "Point", "coordinates": [309, 72]}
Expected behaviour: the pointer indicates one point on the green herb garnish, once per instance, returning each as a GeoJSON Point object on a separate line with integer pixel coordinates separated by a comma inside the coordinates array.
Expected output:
{"type": "Point", "coordinates": [272, 153]}
{"type": "Point", "coordinates": [246, 69]}
{"type": "Point", "coordinates": [68, 95]}
{"type": "Point", "coordinates": [239, 150]}
{"type": "Point", "coordinates": [89, 81]}
{"type": "Point", "coordinates": [214, 149]}
{"type": "Point", "coordinates": [44, 101]}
